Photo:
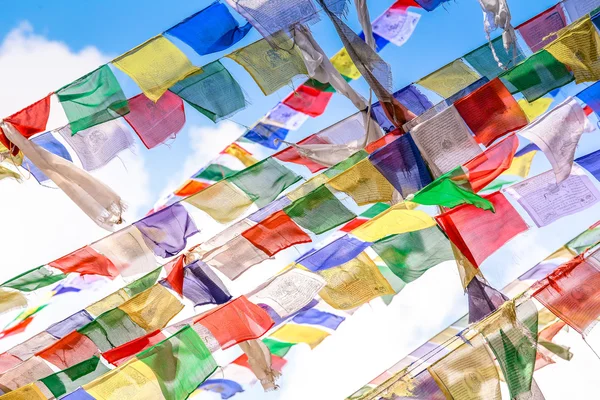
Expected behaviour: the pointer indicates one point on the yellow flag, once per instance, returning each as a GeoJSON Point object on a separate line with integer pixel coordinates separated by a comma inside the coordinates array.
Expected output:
{"type": "Point", "coordinates": [521, 165]}
{"type": "Point", "coordinates": [393, 221]}
{"type": "Point", "coordinates": [535, 108]}
{"type": "Point", "coordinates": [307, 187]}
{"type": "Point", "coordinates": [27, 392]}
{"type": "Point", "coordinates": [241, 154]}
{"type": "Point", "coordinates": [153, 308]}
{"type": "Point", "coordinates": [223, 201]}
{"type": "Point", "coordinates": [293, 333]}
{"type": "Point", "coordinates": [450, 79]}
{"type": "Point", "coordinates": [343, 63]}
{"type": "Point", "coordinates": [364, 183]}
{"type": "Point", "coordinates": [111, 301]}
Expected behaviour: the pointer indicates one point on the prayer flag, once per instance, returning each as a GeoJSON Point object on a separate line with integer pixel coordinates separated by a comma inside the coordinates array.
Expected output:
{"type": "Point", "coordinates": [8, 361]}
{"type": "Point", "coordinates": [225, 387]}
{"type": "Point", "coordinates": [27, 392]}
{"type": "Point", "coordinates": [34, 279]}
{"type": "Point", "coordinates": [396, 26]}
{"type": "Point", "coordinates": [266, 211]}
{"type": "Point", "coordinates": [291, 154]}
{"type": "Point", "coordinates": [490, 164]}
{"type": "Point", "coordinates": [541, 29]}
{"type": "Point", "coordinates": [121, 354]}
{"type": "Point", "coordinates": [483, 299]}
{"type": "Point", "coordinates": [343, 63]}
{"type": "Point", "coordinates": [430, 5]}
{"type": "Point", "coordinates": [308, 100]}
{"type": "Point", "coordinates": [190, 187]}
{"type": "Point", "coordinates": [111, 329]}
{"type": "Point", "coordinates": [410, 97]}
{"type": "Point", "coordinates": [364, 183]}
{"type": "Point", "coordinates": [484, 62]}
{"type": "Point", "coordinates": [235, 257]}
{"type": "Point", "coordinates": [155, 122]}
{"type": "Point", "coordinates": [210, 30]}
{"type": "Point", "coordinates": [266, 135]}
{"type": "Point", "coordinates": [591, 162]}
{"type": "Point", "coordinates": [280, 349]}
{"type": "Point", "coordinates": [68, 351]}
{"type": "Point", "coordinates": [237, 151]}
{"type": "Point", "coordinates": [86, 261]}
{"type": "Point", "coordinates": [276, 233]}
{"type": "Point", "coordinates": [93, 99]}
{"type": "Point", "coordinates": [212, 92]}
{"type": "Point", "coordinates": [395, 220]}
{"type": "Point", "coordinates": [338, 252]}
{"type": "Point", "coordinates": [285, 117]}
{"type": "Point", "coordinates": [153, 308]}
{"type": "Point", "coordinates": [155, 66]}
{"type": "Point", "coordinates": [535, 109]}
{"type": "Point", "coordinates": [591, 97]}
{"type": "Point", "coordinates": [69, 324]}
{"type": "Point", "coordinates": [586, 240]}
{"type": "Point", "coordinates": [69, 379]}
{"type": "Point", "coordinates": [345, 164]}
{"type": "Point", "coordinates": [293, 333]}
{"type": "Point", "coordinates": [214, 173]}
{"type": "Point", "coordinates": [223, 201]}
{"type": "Point", "coordinates": [313, 316]}
{"type": "Point", "coordinates": [49, 142]}
{"type": "Point", "coordinates": [491, 112]}
{"type": "Point", "coordinates": [577, 8]}
{"type": "Point", "coordinates": [478, 233]}
{"type": "Point", "coordinates": [25, 373]}
{"type": "Point", "coordinates": [449, 79]}
{"type": "Point", "coordinates": [28, 122]}
{"type": "Point", "coordinates": [202, 286]}
{"type": "Point", "coordinates": [131, 380]}
{"type": "Point", "coordinates": [28, 348]}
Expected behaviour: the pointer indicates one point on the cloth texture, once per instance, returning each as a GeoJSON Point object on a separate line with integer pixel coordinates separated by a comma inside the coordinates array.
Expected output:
{"type": "Point", "coordinates": [85, 261]}
{"type": "Point", "coordinates": [338, 252]}
{"type": "Point", "coordinates": [276, 233]}
{"type": "Point", "coordinates": [541, 29]}
{"type": "Point", "coordinates": [449, 79]}
{"type": "Point", "coordinates": [48, 142]}
{"type": "Point", "coordinates": [223, 201]}
{"type": "Point", "coordinates": [364, 183]}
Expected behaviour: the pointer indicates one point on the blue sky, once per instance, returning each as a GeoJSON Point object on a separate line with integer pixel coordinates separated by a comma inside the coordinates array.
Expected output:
{"type": "Point", "coordinates": [114, 27]}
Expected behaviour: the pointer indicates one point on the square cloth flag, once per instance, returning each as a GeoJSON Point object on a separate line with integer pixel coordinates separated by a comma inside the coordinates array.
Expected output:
{"type": "Point", "coordinates": [538, 31]}
{"type": "Point", "coordinates": [271, 67]}
{"type": "Point", "coordinates": [410, 97]}
{"type": "Point", "coordinates": [338, 252]}
{"type": "Point", "coordinates": [591, 162]}
{"type": "Point", "coordinates": [364, 183]}
{"type": "Point", "coordinates": [28, 348]}
{"type": "Point", "coordinates": [577, 8]}
{"type": "Point", "coordinates": [28, 122]}
{"type": "Point", "coordinates": [578, 47]}
{"type": "Point", "coordinates": [119, 355]}
{"type": "Point", "coordinates": [86, 261]}
{"type": "Point", "coordinates": [64, 327]}
{"type": "Point", "coordinates": [400, 162]}
{"type": "Point", "coordinates": [202, 286]}
{"type": "Point", "coordinates": [343, 63]}
{"type": "Point", "coordinates": [290, 154]}
{"type": "Point", "coordinates": [212, 92]}
{"type": "Point", "coordinates": [393, 221]}
{"type": "Point", "coordinates": [155, 66]}
{"type": "Point", "coordinates": [166, 231]}
{"type": "Point", "coordinates": [129, 381]}
{"type": "Point", "coordinates": [319, 211]}
{"type": "Point", "coordinates": [46, 141]}
{"type": "Point", "coordinates": [235, 257]}
{"type": "Point", "coordinates": [479, 233]}
{"type": "Point", "coordinates": [223, 201]}
{"type": "Point", "coordinates": [285, 117]}
{"type": "Point", "coordinates": [276, 233]}
{"type": "Point", "coordinates": [210, 30]}
{"type": "Point", "coordinates": [153, 308]}
{"type": "Point", "coordinates": [396, 26]}
{"type": "Point", "coordinates": [308, 100]}
{"type": "Point", "coordinates": [539, 74]}
{"type": "Point", "coordinates": [491, 112]}
{"type": "Point", "coordinates": [68, 380]}
{"type": "Point", "coordinates": [155, 122]}
{"type": "Point", "coordinates": [93, 99]}
{"type": "Point", "coordinates": [98, 145]}
{"type": "Point", "coordinates": [70, 350]}
{"type": "Point", "coordinates": [111, 329]}
{"type": "Point", "coordinates": [34, 279]}
{"type": "Point", "coordinates": [483, 60]}
{"type": "Point", "coordinates": [449, 79]}
{"type": "Point", "coordinates": [495, 160]}
{"type": "Point", "coordinates": [266, 135]}
{"type": "Point", "coordinates": [264, 181]}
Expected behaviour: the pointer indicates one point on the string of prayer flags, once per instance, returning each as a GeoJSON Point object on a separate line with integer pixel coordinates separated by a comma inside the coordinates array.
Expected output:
{"type": "Point", "coordinates": [338, 252]}
{"type": "Point", "coordinates": [478, 233]}
{"type": "Point", "coordinates": [277, 232]}
{"type": "Point", "coordinates": [285, 117]}
{"type": "Point", "coordinates": [264, 181]}
{"type": "Point", "coordinates": [67, 325]}
{"type": "Point", "coordinates": [271, 67]}
{"type": "Point", "coordinates": [364, 183]}
{"type": "Point", "coordinates": [201, 285]}
{"type": "Point", "coordinates": [483, 61]}
{"type": "Point", "coordinates": [396, 26]}
{"type": "Point", "coordinates": [445, 141]}
{"type": "Point", "coordinates": [266, 135]}
{"type": "Point", "coordinates": [121, 354]}
{"type": "Point", "coordinates": [290, 154]}
{"type": "Point", "coordinates": [396, 220]}
{"type": "Point", "coordinates": [538, 75]}
{"type": "Point", "coordinates": [540, 30]}
{"type": "Point", "coordinates": [86, 261]}
{"type": "Point", "coordinates": [308, 101]}
{"type": "Point", "coordinates": [155, 122]}
{"type": "Point", "coordinates": [546, 201]}
{"type": "Point", "coordinates": [578, 47]}
{"type": "Point", "coordinates": [98, 145]}
{"type": "Point", "coordinates": [319, 211]}
{"type": "Point", "coordinates": [483, 299]}
{"type": "Point", "coordinates": [223, 201]}
{"type": "Point", "coordinates": [491, 112]}
{"type": "Point", "coordinates": [577, 9]}
{"type": "Point", "coordinates": [48, 142]}
{"type": "Point", "coordinates": [570, 292]}
{"type": "Point", "coordinates": [68, 380]}
{"type": "Point", "coordinates": [210, 30]}
{"type": "Point", "coordinates": [449, 79]}
{"type": "Point", "coordinates": [409, 255]}
{"type": "Point", "coordinates": [93, 99]}
{"type": "Point", "coordinates": [235, 257]}
{"type": "Point", "coordinates": [557, 134]}
{"type": "Point", "coordinates": [410, 97]}
{"type": "Point", "coordinates": [155, 66]}
{"type": "Point", "coordinates": [166, 231]}
{"type": "Point", "coordinates": [213, 92]}
{"type": "Point", "coordinates": [34, 279]}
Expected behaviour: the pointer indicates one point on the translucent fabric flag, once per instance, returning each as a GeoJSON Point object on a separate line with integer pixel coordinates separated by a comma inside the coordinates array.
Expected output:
{"type": "Point", "coordinates": [68, 351]}
{"type": "Point", "coordinates": [34, 279]}
{"type": "Point", "coordinates": [25, 373]}
{"type": "Point", "coordinates": [66, 326]}
{"type": "Point", "coordinates": [271, 67]}
{"type": "Point", "coordinates": [286, 117]}
{"type": "Point", "coordinates": [202, 286]}
{"type": "Point", "coordinates": [98, 145]}
{"type": "Point", "coordinates": [578, 8]}
{"type": "Point", "coordinates": [482, 58]}
{"type": "Point", "coordinates": [308, 101]}
{"type": "Point", "coordinates": [155, 66]}
{"type": "Point", "coordinates": [449, 79]}
{"type": "Point", "coordinates": [591, 162]}
{"type": "Point", "coordinates": [338, 252]}
{"type": "Point", "coordinates": [400, 162]}
{"type": "Point", "coordinates": [591, 97]}
{"type": "Point", "coordinates": [28, 122]}
{"type": "Point", "coordinates": [307, 187]}
{"type": "Point", "coordinates": [540, 30]}
{"type": "Point", "coordinates": [225, 387]}
{"type": "Point", "coordinates": [354, 283]}
{"type": "Point", "coordinates": [468, 372]}
{"type": "Point", "coordinates": [264, 181]}
{"type": "Point", "coordinates": [479, 233]}
{"type": "Point", "coordinates": [128, 252]}
{"type": "Point", "coordinates": [46, 141]}
{"type": "Point", "coordinates": [145, 282]}
{"type": "Point", "coordinates": [212, 92]}
{"type": "Point", "coordinates": [546, 202]}
{"type": "Point", "coordinates": [571, 292]}
{"type": "Point", "coordinates": [235, 322]}
{"type": "Point", "coordinates": [293, 333]}
{"type": "Point", "coordinates": [223, 201]}
{"type": "Point", "coordinates": [93, 99]}
{"type": "Point", "coordinates": [491, 112]}
{"type": "Point", "coordinates": [343, 63]}
{"type": "Point", "coordinates": [28, 348]}
{"type": "Point", "coordinates": [86, 261]}
{"type": "Point", "coordinates": [235, 257]}
{"type": "Point", "coordinates": [585, 240]}
{"type": "Point", "coordinates": [364, 183]}
{"type": "Point", "coordinates": [410, 97]}
{"type": "Point", "coordinates": [266, 135]}
{"type": "Point", "coordinates": [8, 361]}
{"type": "Point", "coordinates": [276, 233]}
{"type": "Point", "coordinates": [578, 47]}
{"type": "Point", "coordinates": [396, 220]}
{"type": "Point", "coordinates": [215, 173]}
{"type": "Point", "coordinates": [210, 30]}
{"type": "Point", "coordinates": [243, 155]}
{"type": "Point", "coordinates": [396, 26]}
{"type": "Point", "coordinates": [494, 161]}
{"type": "Point", "coordinates": [111, 329]}
{"type": "Point", "coordinates": [156, 122]}
{"type": "Point", "coordinates": [410, 255]}
{"type": "Point", "coordinates": [166, 231]}
{"type": "Point", "coordinates": [483, 299]}
{"type": "Point", "coordinates": [319, 211]}
{"type": "Point", "coordinates": [68, 380]}
{"type": "Point", "coordinates": [445, 141]}
{"type": "Point", "coordinates": [557, 134]}
{"type": "Point", "coordinates": [313, 316]}
{"type": "Point", "coordinates": [130, 381]}
{"type": "Point", "coordinates": [27, 392]}
{"type": "Point", "coordinates": [121, 354]}
{"type": "Point", "coordinates": [537, 75]}
{"type": "Point", "coordinates": [290, 154]}
{"type": "Point", "coordinates": [153, 308]}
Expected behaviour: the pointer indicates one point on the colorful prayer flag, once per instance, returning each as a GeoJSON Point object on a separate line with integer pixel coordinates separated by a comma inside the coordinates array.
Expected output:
{"type": "Point", "coordinates": [541, 29]}
{"type": "Point", "coordinates": [86, 261]}
{"type": "Point", "coordinates": [449, 79]}
{"type": "Point", "coordinates": [364, 183]}
{"type": "Point", "coordinates": [338, 252]}
{"type": "Point", "coordinates": [308, 100]}
{"type": "Point", "coordinates": [223, 201]}
{"type": "Point", "coordinates": [276, 233]}
{"type": "Point", "coordinates": [34, 279]}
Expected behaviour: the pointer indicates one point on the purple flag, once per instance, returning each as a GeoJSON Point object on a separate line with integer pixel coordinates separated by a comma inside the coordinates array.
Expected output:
{"type": "Point", "coordinates": [165, 232]}
{"type": "Point", "coordinates": [410, 97]}
{"type": "Point", "coordinates": [69, 324]}
{"type": "Point", "coordinates": [79, 394]}
{"type": "Point", "coordinates": [272, 208]}
{"type": "Point", "coordinates": [317, 317]}
{"type": "Point", "coordinates": [201, 285]}
{"type": "Point", "coordinates": [277, 319]}
{"type": "Point", "coordinates": [335, 253]}
{"type": "Point", "coordinates": [483, 300]}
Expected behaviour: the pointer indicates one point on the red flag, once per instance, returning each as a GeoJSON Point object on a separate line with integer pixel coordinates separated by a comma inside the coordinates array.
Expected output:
{"type": "Point", "coordinates": [275, 233]}
{"type": "Point", "coordinates": [175, 274]}
{"type": "Point", "coordinates": [86, 261]}
{"type": "Point", "coordinates": [308, 100]}
{"type": "Point", "coordinates": [120, 354]}
{"type": "Point", "coordinates": [290, 154]}
{"type": "Point", "coordinates": [379, 143]}
{"type": "Point", "coordinates": [28, 121]}
{"type": "Point", "coordinates": [487, 166]}
{"type": "Point", "coordinates": [70, 350]}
